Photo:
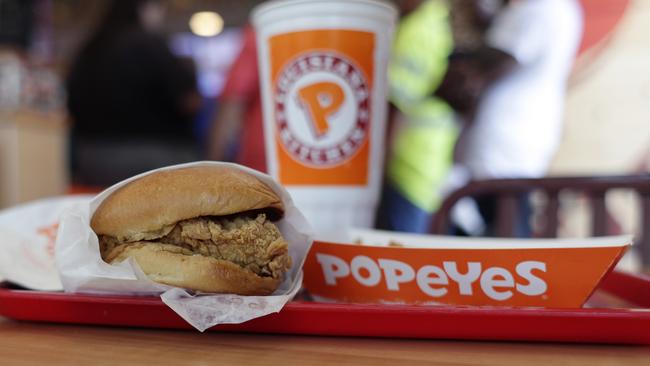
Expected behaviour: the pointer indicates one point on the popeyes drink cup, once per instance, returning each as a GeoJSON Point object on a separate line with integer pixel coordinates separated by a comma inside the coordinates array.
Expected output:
{"type": "Point", "coordinates": [323, 80]}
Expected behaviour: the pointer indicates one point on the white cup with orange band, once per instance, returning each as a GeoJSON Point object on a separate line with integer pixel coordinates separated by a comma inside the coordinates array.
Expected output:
{"type": "Point", "coordinates": [323, 81]}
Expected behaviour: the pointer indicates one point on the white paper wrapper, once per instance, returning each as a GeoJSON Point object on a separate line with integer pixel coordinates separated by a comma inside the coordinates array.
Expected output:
{"type": "Point", "coordinates": [27, 235]}
{"type": "Point", "coordinates": [82, 270]}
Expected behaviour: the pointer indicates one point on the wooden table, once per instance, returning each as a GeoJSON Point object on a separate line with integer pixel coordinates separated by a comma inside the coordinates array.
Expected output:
{"type": "Point", "coordinates": [47, 344]}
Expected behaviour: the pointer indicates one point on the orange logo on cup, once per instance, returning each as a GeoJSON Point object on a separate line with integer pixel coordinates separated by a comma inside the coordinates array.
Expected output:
{"type": "Point", "coordinates": [322, 101]}
{"type": "Point", "coordinates": [545, 277]}
{"type": "Point", "coordinates": [321, 105]}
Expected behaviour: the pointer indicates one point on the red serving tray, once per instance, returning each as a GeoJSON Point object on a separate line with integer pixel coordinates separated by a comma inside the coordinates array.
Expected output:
{"type": "Point", "coordinates": [590, 325]}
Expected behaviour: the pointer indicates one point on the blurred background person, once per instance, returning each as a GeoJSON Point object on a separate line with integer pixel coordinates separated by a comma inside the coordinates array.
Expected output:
{"type": "Point", "coordinates": [237, 132]}
{"type": "Point", "coordinates": [461, 87]}
{"type": "Point", "coordinates": [131, 101]}
{"type": "Point", "coordinates": [424, 131]}
{"type": "Point", "coordinates": [516, 86]}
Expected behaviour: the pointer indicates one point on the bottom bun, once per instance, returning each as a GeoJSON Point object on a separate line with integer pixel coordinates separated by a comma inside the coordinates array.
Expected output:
{"type": "Point", "coordinates": [163, 263]}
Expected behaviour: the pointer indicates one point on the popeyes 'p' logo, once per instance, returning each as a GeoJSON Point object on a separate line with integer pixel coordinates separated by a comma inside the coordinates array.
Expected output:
{"type": "Point", "coordinates": [322, 109]}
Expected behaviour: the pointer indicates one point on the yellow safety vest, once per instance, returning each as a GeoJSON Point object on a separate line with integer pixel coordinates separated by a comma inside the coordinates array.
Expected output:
{"type": "Point", "coordinates": [422, 151]}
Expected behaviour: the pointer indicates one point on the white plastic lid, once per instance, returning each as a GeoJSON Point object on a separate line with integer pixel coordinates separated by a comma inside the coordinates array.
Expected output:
{"type": "Point", "coordinates": [282, 10]}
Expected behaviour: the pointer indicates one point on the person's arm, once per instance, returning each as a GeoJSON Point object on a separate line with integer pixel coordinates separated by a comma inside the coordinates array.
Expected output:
{"type": "Point", "coordinates": [469, 74]}
{"type": "Point", "coordinates": [241, 87]}
{"type": "Point", "coordinates": [226, 129]}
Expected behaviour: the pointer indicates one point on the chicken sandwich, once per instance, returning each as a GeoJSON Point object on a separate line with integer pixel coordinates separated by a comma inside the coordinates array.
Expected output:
{"type": "Point", "coordinates": [208, 229]}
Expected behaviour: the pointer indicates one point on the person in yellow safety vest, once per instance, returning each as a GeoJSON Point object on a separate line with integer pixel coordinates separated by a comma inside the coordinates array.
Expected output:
{"type": "Point", "coordinates": [425, 132]}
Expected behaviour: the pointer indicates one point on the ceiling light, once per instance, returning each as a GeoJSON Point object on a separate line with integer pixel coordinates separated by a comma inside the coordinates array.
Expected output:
{"type": "Point", "coordinates": [206, 23]}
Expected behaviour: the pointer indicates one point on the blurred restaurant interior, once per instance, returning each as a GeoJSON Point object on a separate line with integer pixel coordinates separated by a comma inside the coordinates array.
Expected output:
{"type": "Point", "coordinates": [38, 41]}
{"type": "Point", "coordinates": [605, 123]}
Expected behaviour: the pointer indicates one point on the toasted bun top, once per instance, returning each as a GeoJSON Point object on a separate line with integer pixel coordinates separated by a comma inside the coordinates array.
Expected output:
{"type": "Point", "coordinates": [147, 208]}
